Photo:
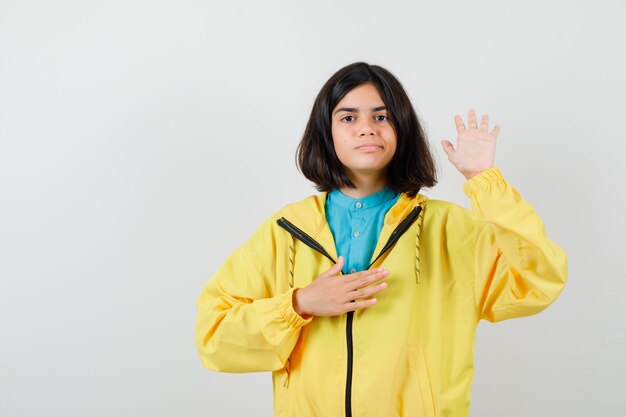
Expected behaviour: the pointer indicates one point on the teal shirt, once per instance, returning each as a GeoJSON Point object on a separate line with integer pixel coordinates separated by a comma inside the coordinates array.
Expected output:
{"type": "Point", "coordinates": [356, 225]}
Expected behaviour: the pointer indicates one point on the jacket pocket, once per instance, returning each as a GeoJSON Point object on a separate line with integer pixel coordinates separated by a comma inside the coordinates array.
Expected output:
{"type": "Point", "coordinates": [282, 400]}
{"type": "Point", "coordinates": [287, 374]}
{"type": "Point", "coordinates": [419, 373]}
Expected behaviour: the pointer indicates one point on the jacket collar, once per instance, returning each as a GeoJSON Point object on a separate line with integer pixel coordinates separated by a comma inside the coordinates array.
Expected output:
{"type": "Point", "coordinates": [370, 201]}
{"type": "Point", "coordinates": [310, 216]}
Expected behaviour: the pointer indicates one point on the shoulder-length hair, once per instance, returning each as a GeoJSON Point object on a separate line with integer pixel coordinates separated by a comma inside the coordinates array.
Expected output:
{"type": "Point", "coordinates": [412, 166]}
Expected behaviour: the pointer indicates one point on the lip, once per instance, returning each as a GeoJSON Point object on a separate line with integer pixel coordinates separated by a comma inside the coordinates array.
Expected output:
{"type": "Point", "coordinates": [369, 147]}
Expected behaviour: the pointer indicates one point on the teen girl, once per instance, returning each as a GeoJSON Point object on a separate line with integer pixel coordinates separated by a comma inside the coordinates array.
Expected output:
{"type": "Point", "coordinates": [363, 300]}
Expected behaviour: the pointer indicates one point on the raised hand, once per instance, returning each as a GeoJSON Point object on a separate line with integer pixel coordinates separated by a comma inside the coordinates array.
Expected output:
{"type": "Point", "coordinates": [332, 294]}
{"type": "Point", "coordinates": [476, 146]}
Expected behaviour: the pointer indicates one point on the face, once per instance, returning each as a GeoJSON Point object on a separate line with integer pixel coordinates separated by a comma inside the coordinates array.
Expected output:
{"type": "Point", "coordinates": [363, 136]}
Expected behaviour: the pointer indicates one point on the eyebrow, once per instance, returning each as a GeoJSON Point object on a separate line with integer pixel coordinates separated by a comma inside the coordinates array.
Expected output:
{"type": "Point", "coordinates": [356, 109]}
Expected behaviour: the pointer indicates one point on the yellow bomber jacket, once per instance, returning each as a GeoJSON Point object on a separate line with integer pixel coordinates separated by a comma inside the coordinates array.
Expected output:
{"type": "Point", "coordinates": [410, 354]}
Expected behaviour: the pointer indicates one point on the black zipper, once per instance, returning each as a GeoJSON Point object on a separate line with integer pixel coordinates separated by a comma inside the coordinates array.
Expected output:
{"type": "Point", "coordinates": [350, 354]}
{"type": "Point", "coordinates": [313, 244]}
{"type": "Point", "coordinates": [398, 231]}
{"type": "Point", "coordinates": [304, 238]}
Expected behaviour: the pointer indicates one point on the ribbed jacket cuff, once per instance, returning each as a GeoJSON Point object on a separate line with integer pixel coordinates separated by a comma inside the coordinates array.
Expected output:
{"type": "Point", "coordinates": [286, 311]}
{"type": "Point", "coordinates": [482, 181]}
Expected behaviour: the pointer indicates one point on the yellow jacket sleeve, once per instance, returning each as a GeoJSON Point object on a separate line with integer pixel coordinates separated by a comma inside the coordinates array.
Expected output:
{"type": "Point", "coordinates": [244, 323]}
{"type": "Point", "coordinates": [518, 271]}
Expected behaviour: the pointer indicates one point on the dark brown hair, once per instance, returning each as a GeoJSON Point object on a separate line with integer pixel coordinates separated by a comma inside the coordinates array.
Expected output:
{"type": "Point", "coordinates": [412, 166]}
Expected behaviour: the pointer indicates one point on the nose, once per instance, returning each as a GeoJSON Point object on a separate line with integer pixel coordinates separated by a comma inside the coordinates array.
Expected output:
{"type": "Point", "coordinates": [366, 128]}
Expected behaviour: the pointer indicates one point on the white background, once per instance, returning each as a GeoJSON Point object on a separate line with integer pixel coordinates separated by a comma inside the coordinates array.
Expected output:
{"type": "Point", "coordinates": [143, 141]}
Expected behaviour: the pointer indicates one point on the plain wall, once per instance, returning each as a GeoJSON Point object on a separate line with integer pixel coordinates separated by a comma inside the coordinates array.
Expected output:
{"type": "Point", "coordinates": [142, 141]}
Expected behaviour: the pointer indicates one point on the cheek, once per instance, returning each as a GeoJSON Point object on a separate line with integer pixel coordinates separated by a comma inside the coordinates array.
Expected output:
{"type": "Point", "coordinates": [337, 147]}
{"type": "Point", "coordinates": [339, 141]}
{"type": "Point", "coordinates": [392, 142]}
{"type": "Point", "coordinates": [340, 149]}
{"type": "Point", "coordinates": [334, 134]}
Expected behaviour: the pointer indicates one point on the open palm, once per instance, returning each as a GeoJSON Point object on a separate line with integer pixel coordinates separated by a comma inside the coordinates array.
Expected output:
{"type": "Point", "coordinates": [475, 148]}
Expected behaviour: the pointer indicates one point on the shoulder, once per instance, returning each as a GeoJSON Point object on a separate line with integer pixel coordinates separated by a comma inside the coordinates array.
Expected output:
{"type": "Point", "coordinates": [443, 206]}
{"type": "Point", "coordinates": [313, 204]}
{"type": "Point", "coordinates": [448, 215]}
{"type": "Point", "coordinates": [307, 214]}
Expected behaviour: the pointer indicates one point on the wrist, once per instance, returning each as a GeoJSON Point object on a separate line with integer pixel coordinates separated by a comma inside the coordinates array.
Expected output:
{"type": "Point", "coordinates": [297, 303]}
{"type": "Point", "coordinates": [470, 174]}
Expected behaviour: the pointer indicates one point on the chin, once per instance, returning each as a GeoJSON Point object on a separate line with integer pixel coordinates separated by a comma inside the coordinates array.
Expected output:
{"type": "Point", "coordinates": [368, 169]}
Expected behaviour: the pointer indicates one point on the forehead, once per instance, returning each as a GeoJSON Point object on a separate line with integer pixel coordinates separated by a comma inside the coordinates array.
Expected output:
{"type": "Point", "coordinates": [364, 94]}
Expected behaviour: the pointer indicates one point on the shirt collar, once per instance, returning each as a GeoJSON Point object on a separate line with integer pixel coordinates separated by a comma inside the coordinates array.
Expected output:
{"type": "Point", "coordinates": [372, 200]}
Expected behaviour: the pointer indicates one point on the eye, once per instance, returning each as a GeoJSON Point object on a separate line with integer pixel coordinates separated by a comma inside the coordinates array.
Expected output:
{"type": "Point", "coordinates": [383, 117]}
{"type": "Point", "coordinates": [345, 117]}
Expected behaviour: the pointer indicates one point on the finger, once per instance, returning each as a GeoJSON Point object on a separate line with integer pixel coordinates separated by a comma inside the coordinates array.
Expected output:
{"type": "Point", "coordinates": [484, 123]}
{"type": "Point", "coordinates": [460, 126]}
{"type": "Point", "coordinates": [447, 148]}
{"type": "Point", "coordinates": [364, 275]}
{"type": "Point", "coordinates": [359, 305]}
{"type": "Point", "coordinates": [495, 131]}
{"type": "Point", "coordinates": [471, 119]}
{"type": "Point", "coordinates": [335, 269]}
{"type": "Point", "coordinates": [365, 278]}
{"type": "Point", "coordinates": [362, 293]}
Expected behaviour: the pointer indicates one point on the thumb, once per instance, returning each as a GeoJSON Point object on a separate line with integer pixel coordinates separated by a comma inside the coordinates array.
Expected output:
{"type": "Point", "coordinates": [448, 148]}
{"type": "Point", "coordinates": [335, 269]}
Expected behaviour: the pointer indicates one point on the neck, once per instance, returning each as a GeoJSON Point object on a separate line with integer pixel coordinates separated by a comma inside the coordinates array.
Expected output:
{"type": "Point", "coordinates": [365, 185]}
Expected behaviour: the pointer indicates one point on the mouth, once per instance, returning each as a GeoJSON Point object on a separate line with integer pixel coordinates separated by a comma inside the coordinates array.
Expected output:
{"type": "Point", "coordinates": [369, 147]}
